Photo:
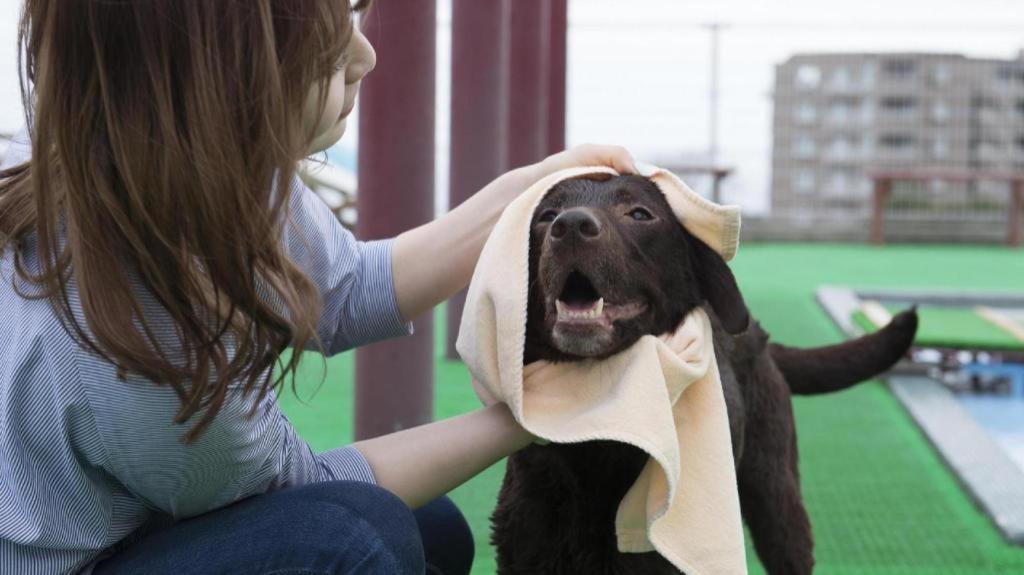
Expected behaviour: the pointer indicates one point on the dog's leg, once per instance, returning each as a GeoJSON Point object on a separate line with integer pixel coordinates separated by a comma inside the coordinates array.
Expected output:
{"type": "Point", "coordinates": [533, 523]}
{"type": "Point", "coordinates": [769, 480]}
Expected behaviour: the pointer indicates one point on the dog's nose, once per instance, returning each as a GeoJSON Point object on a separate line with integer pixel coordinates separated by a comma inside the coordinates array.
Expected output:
{"type": "Point", "coordinates": [578, 221]}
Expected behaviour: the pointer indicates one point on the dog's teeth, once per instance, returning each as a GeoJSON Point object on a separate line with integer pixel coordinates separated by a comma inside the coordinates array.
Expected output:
{"type": "Point", "coordinates": [560, 307]}
{"type": "Point", "coordinates": [599, 308]}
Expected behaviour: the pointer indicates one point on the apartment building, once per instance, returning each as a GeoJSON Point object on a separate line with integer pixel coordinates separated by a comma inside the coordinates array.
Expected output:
{"type": "Point", "coordinates": [839, 116]}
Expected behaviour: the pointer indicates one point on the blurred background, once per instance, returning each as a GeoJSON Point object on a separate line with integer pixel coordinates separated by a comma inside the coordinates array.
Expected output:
{"type": "Point", "coordinates": [877, 151]}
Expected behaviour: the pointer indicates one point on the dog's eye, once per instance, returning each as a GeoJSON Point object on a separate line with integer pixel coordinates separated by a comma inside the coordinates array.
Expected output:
{"type": "Point", "coordinates": [640, 214]}
{"type": "Point", "coordinates": [548, 216]}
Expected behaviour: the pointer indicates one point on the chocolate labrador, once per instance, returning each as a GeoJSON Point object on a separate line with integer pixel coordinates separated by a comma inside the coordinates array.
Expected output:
{"type": "Point", "coordinates": [609, 263]}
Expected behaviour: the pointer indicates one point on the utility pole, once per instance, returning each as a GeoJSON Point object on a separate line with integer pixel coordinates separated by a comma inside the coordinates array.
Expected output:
{"type": "Point", "coordinates": [714, 28]}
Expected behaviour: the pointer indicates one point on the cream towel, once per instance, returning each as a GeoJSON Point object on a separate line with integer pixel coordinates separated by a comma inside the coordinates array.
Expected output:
{"type": "Point", "coordinates": [662, 395]}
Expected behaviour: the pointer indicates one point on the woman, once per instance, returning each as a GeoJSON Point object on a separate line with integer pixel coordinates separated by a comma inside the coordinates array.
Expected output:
{"type": "Point", "coordinates": [158, 255]}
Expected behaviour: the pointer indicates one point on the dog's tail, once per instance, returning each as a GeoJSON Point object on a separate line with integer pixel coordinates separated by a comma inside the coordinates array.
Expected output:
{"type": "Point", "coordinates": [837, 367]}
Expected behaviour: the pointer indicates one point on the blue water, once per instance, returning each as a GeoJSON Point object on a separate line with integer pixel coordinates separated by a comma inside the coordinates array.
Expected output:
{"type": "Point", "coordinates": [1002, 416]}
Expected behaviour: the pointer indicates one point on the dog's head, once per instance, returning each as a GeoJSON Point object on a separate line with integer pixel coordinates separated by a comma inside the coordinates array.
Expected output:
{"type": "Point", "coordinates": [610, 263]}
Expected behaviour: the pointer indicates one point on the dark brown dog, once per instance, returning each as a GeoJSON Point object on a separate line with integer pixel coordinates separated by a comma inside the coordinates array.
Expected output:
{"type": "Point", "coordinates": [609, 263]}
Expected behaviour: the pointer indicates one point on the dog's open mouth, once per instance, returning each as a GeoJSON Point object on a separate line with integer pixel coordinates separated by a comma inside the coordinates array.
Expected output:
{"type": "Point", "coordinates": [581, 305]}
{"type": "Point", "coordinates": [579, 301]}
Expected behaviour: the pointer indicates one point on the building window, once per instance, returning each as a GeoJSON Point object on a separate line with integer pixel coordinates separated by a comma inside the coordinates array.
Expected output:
{"type": "Point", "coordinates": [901, 142]}
{"type": "Point", "coordinates": [940, 112]}
{"type": "Point", "coordinates": [841, 182]}
{"type": "Point", "coordinates": [843, 109]}
{"type": "Point", "coordinates": [1020, 107]}
{"type": "Point", "coordinates": [941, 74]}
{"type": "Point", "coordinates": [806, 113]}
{"type": "Point", "coordinates": [982, 102]}
{"type": "Point", "coordinates": [940, 147]}
{"type": "Point", "coordinates": [804, 147]}
{"type": "Point", "coordinates": [808, 77]}
{"type": "Point", "coordinates": [899, 68]}
{"type": "Point", "coordinates": [1020, 143]}
{"type": "Point", "coordinates": [804, 181]}
{"type": "Point", "coordinates": [1009, 74]}
{"type": "Point", "coordinates": [899, 104]}
{"type": "Point", "coordinates": [840, 148]}
{"type": "Point", "coordinates": [841, 78]}
{"type": "Point", "coordinates": [867, 146]}
{"type": "Point", "coordinates": [868, 73]}
{"type": "Point", "coordinates": [867, 112]}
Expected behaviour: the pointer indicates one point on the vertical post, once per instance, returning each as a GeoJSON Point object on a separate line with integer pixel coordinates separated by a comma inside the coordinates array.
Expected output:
{"type": "Point", "coordinates": [478, 128]}
{"type": "Point", "coordinates": [1016, 203]}
{"type": "Point", "coordinates": [713, 96]}
{"type": "Point", "coordinates": [558, 51]}
{"type": "Point", "coordinates": [883, 185]}
{"type": "Point", "coordinates": [529, 38]}
{"type": "Point", "coordinates": [394, 380]}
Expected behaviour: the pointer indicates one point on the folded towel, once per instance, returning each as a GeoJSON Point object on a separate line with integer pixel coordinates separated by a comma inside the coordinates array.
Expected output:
{"type": "Point", "coordinates": [662, 395]}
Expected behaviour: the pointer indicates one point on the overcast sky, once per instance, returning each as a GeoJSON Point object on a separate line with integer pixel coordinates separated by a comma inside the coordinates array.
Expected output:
{"type": "Point", "coordinates": [640, 76]}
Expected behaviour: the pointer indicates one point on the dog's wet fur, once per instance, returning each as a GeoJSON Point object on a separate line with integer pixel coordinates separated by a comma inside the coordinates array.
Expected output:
{"type": "Point", "coordinates": [609, 263]}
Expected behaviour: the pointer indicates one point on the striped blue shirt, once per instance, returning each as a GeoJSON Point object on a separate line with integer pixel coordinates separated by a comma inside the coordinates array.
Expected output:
{"type": "Point", "coordinates": [88, 462]}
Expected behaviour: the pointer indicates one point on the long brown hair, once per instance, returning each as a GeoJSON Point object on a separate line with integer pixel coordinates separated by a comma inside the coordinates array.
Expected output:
{"type": "Point", "coordinates": [160, 130]}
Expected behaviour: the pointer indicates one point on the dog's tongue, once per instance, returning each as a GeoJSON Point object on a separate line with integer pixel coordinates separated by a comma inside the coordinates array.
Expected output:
{"type": "Point", "coordinates": [581, 310]}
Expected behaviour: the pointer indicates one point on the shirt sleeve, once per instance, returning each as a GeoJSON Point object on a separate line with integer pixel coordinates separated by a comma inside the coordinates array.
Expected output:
{"type": "Point", "coordinates": [19, 150]}
{"type": "Point", "coordinates": [354, 278]}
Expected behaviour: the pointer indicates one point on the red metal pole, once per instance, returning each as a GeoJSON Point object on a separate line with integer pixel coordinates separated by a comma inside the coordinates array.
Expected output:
{"type": "Point", "coordinates": [881, 193]}
{"type": "Point", "coordinates": [395, 380]}
{"type": "Point", "coordinates": [1016, 201]}
{"type": "Point", "coordinates": [479, 78]}
{"type": "Point", "coordinates": [557, 56]}
{"type": "Point", "coordinates": [529, 40]}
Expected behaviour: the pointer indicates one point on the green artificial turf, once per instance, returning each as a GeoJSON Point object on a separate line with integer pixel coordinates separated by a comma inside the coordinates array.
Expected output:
{"type": "Point", "coordinates": [880, 500]}
{"type": "Point", "coordinates": [952, 327]}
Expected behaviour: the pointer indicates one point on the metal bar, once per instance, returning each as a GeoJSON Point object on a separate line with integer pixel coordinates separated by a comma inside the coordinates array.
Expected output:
{"type": "Point", "coordinates": [395, 380]}
{"type": "Point", "coordinates": [478, 127]}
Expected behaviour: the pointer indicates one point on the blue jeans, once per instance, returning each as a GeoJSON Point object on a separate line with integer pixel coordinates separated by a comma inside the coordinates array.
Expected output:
{"type": "Point", "coordinates": [318, 529]}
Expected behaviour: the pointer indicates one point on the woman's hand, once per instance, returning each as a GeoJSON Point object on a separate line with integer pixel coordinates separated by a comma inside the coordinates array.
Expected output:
{"type": "Point", "coordinates": [517, 181]}
{"type": "Point", "coordinates": [434, 261]}
{"type": "Point", "coordinates": [615, 157]}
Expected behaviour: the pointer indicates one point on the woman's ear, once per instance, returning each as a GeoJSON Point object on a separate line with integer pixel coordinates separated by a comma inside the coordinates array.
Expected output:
{"type": "Point", "coordinates": [718, 287]}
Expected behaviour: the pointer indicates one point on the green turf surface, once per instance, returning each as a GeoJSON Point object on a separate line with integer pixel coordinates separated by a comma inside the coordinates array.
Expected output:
{"type": "Point", "coordinates": [880, 500]}
{"type": "Point", "coordinates": [952, 327]}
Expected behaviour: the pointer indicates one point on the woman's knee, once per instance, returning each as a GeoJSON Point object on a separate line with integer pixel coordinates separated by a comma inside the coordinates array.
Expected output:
{"type": "Point", "coordinates": [391, 521]}
{"type": "Point", "coordinates": [447, 539]}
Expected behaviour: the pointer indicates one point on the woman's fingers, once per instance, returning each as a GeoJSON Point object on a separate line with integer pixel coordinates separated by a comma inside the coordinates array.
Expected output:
{"type": "Point", "coordinates": [616, 157]}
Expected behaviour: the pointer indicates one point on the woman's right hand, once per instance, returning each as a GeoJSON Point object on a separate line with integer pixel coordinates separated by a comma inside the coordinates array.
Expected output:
{"type": "Point", "coordinates": [615, 157]}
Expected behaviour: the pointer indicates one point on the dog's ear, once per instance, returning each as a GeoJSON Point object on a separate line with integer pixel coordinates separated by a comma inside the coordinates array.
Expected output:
{"type": "Point", "coordinates": [718, 286]}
